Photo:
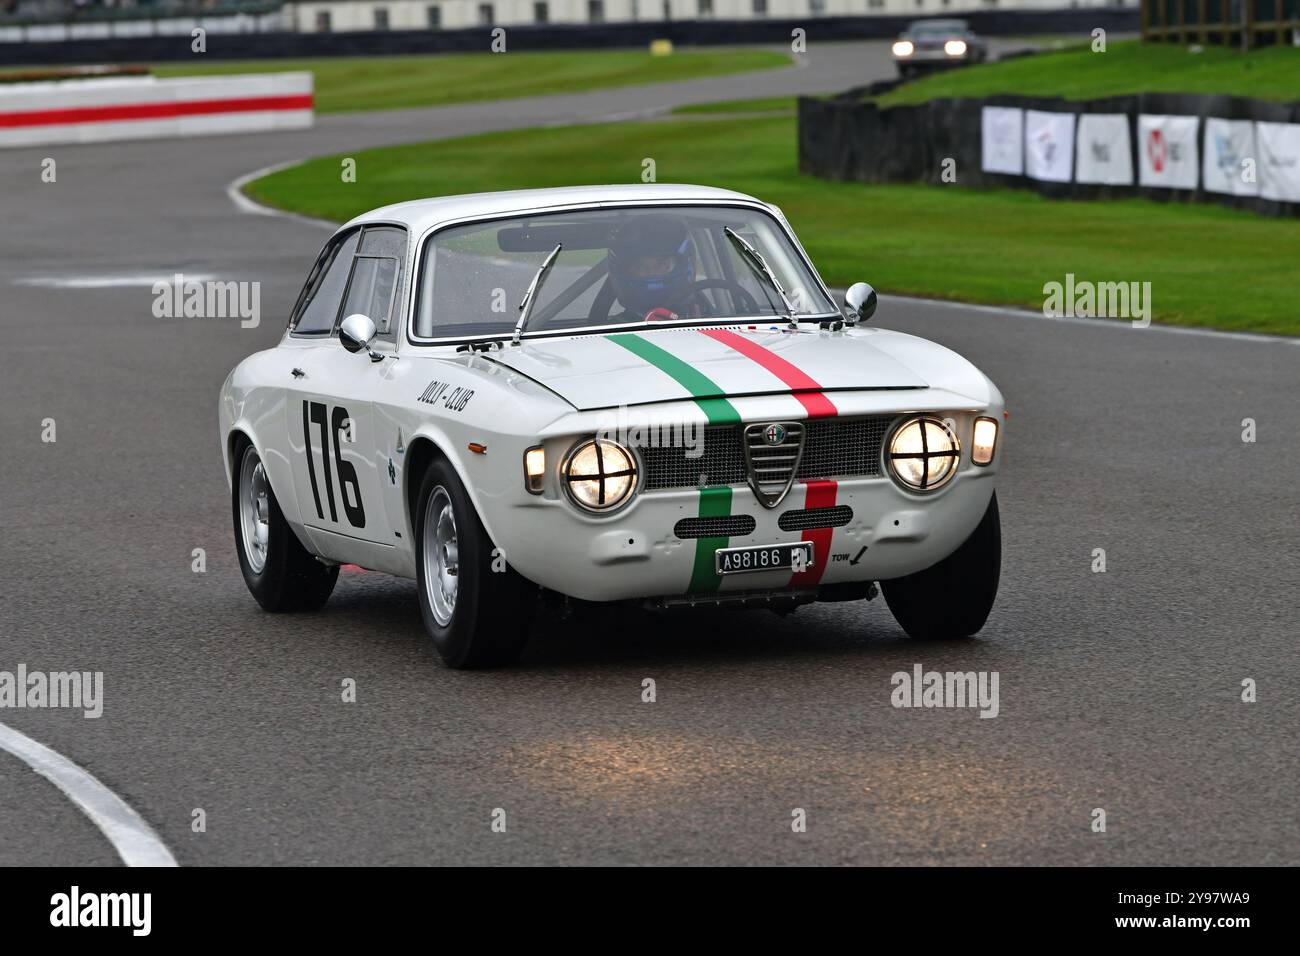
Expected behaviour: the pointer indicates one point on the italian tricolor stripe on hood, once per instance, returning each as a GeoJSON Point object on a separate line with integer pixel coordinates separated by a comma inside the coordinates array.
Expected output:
{"type": "Point", "coordinates": [716, 502]}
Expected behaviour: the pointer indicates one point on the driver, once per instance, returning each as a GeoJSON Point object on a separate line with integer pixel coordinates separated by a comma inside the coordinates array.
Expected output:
{"type": "Point", "coordinates": [652, 267]}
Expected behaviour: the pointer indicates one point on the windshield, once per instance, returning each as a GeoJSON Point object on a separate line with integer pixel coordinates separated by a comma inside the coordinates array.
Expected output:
{"type": "Point", "coordinates": [938, 28]}
{"type": "Point", "coordinates": [617, 266]}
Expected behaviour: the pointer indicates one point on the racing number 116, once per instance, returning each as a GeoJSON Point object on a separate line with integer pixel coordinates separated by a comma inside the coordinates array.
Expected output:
{"type": "Point", "coordinates": [315, 412]}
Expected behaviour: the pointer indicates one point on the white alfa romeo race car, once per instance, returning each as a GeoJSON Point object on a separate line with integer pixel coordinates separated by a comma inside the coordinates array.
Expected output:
{"type": "Point", "coordinates": [615, 393]}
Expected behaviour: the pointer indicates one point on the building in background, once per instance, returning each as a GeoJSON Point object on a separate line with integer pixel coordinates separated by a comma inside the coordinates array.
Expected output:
{"type": "Point", "coordinates": [350, 15]}
{"type": "Point", "coordinates": [86, 19]}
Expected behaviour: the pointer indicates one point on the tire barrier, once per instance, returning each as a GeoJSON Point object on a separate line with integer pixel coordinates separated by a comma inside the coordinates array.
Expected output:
{"type": "Point", "coordinates": [1229, 150]}
{"type": "Point", "coordinates": [97, 110]}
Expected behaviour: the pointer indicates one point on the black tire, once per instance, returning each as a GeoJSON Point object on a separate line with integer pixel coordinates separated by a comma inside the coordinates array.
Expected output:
{"type": "Point", "coordinates": [290, 579]}
{"type": "Point", "coordinates": [953, 598]}
{"type": "Point", "coordinates": [492, 609]}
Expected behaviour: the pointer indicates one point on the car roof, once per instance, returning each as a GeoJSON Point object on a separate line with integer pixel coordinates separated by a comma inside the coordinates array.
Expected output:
{"type": "Point", "coordinates": [421, 214]}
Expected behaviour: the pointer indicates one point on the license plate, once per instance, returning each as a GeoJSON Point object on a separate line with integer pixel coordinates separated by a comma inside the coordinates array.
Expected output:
{"type": "Point", "coordinates": [764, 557]}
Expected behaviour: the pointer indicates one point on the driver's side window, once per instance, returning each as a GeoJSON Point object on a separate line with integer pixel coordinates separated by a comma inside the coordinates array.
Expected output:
{"type": "Point", "coordinates": [318, 306]}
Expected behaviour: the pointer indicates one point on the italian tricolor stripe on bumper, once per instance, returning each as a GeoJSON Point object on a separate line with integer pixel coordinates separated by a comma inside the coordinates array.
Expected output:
{"type": "Point", "coordinates": [714, 503]}
{"type": "Point", "coordinates": [820, 494]}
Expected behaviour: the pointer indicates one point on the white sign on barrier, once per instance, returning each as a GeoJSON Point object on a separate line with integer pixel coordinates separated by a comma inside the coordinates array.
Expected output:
{"type": "Point", "coordinates": [1228, 156]}
{"type": "Point", "coordinates": [1167, 151]}
{"type": "Point", "coordinates": [1002, 140]}
{"type": "Point", "coordinates": [1279, 161]}
{"type": "Point", "coordinates": [1049, 146]}
{"type": "Point", "coordinates": [1104, 153]}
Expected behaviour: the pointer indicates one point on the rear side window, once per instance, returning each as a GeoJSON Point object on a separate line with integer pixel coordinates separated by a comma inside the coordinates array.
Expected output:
{"type": "Point", "coordinates": [376, 275]}
{"type": "Point", "coordinates": [318, 306]}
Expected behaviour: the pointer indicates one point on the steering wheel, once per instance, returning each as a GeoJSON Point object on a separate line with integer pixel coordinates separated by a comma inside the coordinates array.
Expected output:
{"type": "Point", "coordinates": [743, 299]}
{"type": "Point", "coordinates": [604, 300]}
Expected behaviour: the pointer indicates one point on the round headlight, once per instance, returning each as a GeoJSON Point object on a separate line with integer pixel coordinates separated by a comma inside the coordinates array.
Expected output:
{"type": "Point", "coordinates": [923, 454]}
{"type": "Point", "coordinates": [903, 48]}
{"type": "Point", "coordinates": [955, 48]}
{"type": "Point", "coordinates": [599, 475]}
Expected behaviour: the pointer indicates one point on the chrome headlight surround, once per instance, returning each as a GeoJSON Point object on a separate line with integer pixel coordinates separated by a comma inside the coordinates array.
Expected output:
{"type": "Point", "coordinates": [599, 475]}
{"type": "Point", "coordinates": [927, 442]}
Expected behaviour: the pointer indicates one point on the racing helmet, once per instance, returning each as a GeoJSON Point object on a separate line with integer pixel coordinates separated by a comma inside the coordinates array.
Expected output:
{"type": "Point", "coordinates": [641, 283]}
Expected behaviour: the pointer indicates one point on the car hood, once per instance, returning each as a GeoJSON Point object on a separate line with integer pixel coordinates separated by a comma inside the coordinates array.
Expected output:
{"type": "Point", "coordinates": [661, 365]}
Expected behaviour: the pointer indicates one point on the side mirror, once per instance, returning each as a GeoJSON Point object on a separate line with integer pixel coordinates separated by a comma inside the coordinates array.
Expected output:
{"type": "Point", "coordinates": [356, 333]}
{"type": "Point", "coordinates": [860, 301]}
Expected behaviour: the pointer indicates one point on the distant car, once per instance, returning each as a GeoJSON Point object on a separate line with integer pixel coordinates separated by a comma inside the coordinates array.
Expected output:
{"type": "Point", "coordinates": [676, 415]}
{"type": "Point", "coordinates": [934, 44]}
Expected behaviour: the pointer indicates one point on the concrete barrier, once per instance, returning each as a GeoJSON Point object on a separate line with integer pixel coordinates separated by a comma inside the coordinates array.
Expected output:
{"type": "Point", "coordinates": [97, 110]}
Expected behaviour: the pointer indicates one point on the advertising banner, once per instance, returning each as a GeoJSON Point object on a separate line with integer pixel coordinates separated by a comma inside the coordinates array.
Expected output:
{"type": "Point", "coordinates": [1104, 153]}
{"type": "Point", "coordinates": [1049, 146]}
{"type": "Point", "coordinates": [1279, 160]}
{"type": "Point", "coordinates": [1002, 140]}
{"type": "Point", "coordinates": [1229, 162]}
{"type": "Point", "coordinates": [1167, 151]}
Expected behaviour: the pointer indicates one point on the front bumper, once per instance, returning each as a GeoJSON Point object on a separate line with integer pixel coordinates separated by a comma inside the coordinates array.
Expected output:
{"type": "Point", "coordinates": [637, 555]}
{"type": "Point", "coordinates": [934, 57]}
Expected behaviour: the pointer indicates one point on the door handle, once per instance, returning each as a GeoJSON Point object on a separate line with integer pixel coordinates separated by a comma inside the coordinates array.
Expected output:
{"type": "Point", "coordinates": [298, 373]}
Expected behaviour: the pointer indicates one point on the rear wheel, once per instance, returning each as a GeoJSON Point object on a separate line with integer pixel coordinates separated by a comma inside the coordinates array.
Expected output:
{"type": "Point", "coordinates": [475, 606]}
{"type": "Point", "coordinates": [281, 574]}
{"type": "Point", "coordinates": [953, 598]}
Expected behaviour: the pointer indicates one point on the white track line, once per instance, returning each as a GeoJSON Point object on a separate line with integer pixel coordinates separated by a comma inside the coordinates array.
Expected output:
{"type": "Point", "coordinates": [235, 192]}
{"type": "Point", "coordinates": [1123, 324]}
{"type": "Point", "coordinates": [132, 838]}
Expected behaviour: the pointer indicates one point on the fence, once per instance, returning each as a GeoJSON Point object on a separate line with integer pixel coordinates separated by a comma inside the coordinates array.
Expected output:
{"type": "Point", "coordinates": [1168, 146]}
{"type": "Point", "coordinates": [1241, 23]}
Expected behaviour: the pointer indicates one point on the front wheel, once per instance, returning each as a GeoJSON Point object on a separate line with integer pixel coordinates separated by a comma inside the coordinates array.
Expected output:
{"type": "Point", "coordinates": [953, 598]}
{"type": "Point", "coordinates": [279, 571]}
{"type": "Point", "coordinates": [475, 606]}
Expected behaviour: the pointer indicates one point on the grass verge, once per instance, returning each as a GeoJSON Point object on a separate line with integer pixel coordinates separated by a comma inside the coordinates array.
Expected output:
{"type": "Point", "coordinates": [1208, 266]}
{"type": "Point", "coordinates": [1271, 73]}
{"type": "Point", "coordinates": [350, 84]}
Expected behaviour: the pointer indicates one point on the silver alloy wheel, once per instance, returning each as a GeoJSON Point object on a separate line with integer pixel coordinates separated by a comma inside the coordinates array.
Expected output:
{"type": "Point", "coordinates": [254, 509]}
{"type": "Point", "coordinates": [441, 556]}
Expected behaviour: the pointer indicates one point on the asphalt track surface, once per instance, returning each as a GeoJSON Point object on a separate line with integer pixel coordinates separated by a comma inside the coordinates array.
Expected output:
{"type": "Point", "coordinates": [1119, 690]}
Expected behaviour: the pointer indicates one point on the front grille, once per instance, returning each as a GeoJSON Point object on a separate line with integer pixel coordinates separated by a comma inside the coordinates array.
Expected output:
{"type": "Point", "coordinates": [842, 447]}
{"type": "Point", "coordinates": [774, 452]}
{"type": "Point", "coordinates": [719, 460]}
{"type": "Point", "coordinates": [835, 517]}
{"type": "Point", "coordinates": [833, 448]}
{"type": "Point", "coordinates": [734, 526]}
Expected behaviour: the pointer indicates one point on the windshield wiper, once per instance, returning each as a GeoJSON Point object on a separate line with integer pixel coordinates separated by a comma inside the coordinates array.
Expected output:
{"type": "Point", "coordinates": [759, 264]}
{"type": "Point", "coordinates": [530, 297]}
